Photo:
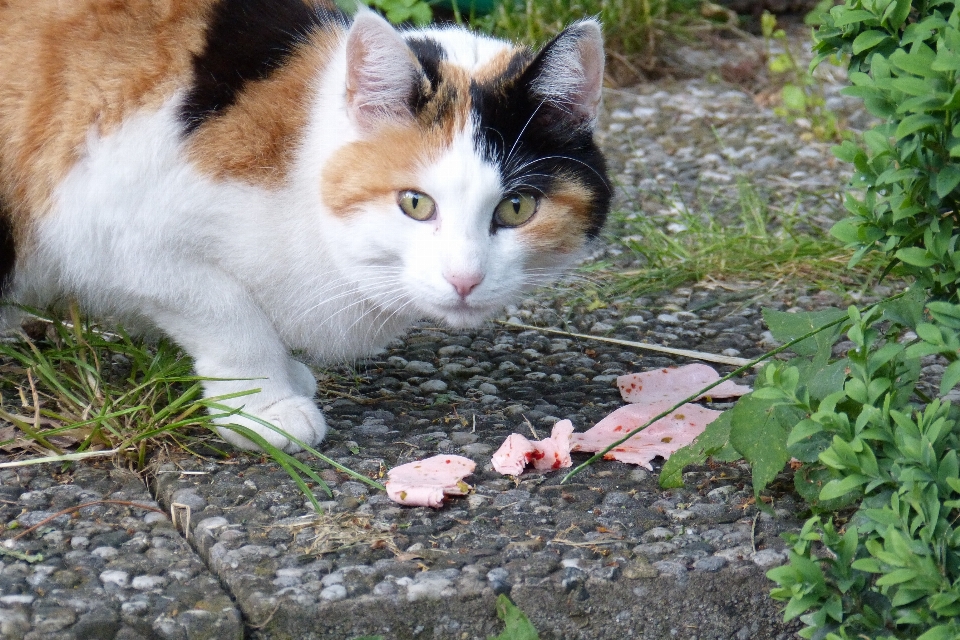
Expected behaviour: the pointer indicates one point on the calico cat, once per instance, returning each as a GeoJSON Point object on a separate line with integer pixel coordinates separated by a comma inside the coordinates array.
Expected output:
{"type": "Point", "coordinates": [255, 177]}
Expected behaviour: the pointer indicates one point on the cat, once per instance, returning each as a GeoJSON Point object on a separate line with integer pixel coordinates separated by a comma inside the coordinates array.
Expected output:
{"type": "Point", "coordinates": [256, 178]}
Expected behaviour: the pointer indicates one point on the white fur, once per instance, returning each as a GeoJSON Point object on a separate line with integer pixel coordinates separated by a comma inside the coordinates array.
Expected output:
{"type": "Point", "coordinates": [240, 275]}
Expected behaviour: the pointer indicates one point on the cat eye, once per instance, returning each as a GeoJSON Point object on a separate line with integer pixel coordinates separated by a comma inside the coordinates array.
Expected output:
{"type": "Point", "coordinates": [514, 210]}
{"type": "Point", "coordinates": [418, 206]}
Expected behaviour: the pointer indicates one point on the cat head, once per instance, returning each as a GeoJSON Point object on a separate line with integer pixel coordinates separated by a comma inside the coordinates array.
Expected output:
{"type": "Point", "coordinates": [472, 175]}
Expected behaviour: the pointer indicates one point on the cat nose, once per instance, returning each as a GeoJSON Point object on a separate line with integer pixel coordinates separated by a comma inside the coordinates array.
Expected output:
{"type": "Point", "coordinates": [464, 283]}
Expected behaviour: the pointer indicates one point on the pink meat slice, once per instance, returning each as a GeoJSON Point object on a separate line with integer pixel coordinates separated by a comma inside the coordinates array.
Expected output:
{"type": "Point", "coordinates": [424, 483]}
{"type": "Point", "coordinates": [662, 438]}
{"type": "Point", "coordinates": [550, 453]}
{"type": "Point", "coordinates": [676, 383]}
{"type": "Point", "coordinates": [513, 455]}
{"type": "Point", "coordinates": [554, 452]}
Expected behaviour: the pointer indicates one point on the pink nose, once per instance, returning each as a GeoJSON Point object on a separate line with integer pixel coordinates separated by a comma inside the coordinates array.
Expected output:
{"type": "Point", "coordinates": [464, 284]}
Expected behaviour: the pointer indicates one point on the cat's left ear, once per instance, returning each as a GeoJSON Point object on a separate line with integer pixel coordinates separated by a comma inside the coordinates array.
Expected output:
{"type": "Point", "coordinates": [567, 74]}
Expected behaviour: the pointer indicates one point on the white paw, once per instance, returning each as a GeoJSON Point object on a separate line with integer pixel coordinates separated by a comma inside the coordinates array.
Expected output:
{"type": "Point", "coordinates": [297, 416]}
{"type": "Point", "coordinates": [302, 378]}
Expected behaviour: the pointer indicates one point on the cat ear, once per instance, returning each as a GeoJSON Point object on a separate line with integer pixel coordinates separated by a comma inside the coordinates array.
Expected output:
{"type": "Point", "coordinates": [567, 74]}
{"type": "Point", "coordinates": [381, 71]}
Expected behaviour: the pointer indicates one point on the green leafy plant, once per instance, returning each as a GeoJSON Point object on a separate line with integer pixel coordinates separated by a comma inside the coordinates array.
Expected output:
{"type": "Point", "coordinates": [802, 97]}
{"type": "Point", "coordinates": [875, 437]}
{"type": "Point", "coordinates": [904, 59]}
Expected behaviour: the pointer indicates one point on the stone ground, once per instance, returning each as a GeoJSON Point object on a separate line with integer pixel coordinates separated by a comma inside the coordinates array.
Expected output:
{"type": "Point", "coordinates": [607, 556]}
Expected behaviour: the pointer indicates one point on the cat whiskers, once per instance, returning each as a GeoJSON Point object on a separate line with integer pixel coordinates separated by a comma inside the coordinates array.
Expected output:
{"type": "Point", "coordinates": [381, 306]}
{"type": "Point", "coordinates": [507, 160]}
{"type": "Point", "coordinates": [352, 288]}
{"type": "Point", "coordinates": [384, 283]}
{"type": "Point", "coordinates": [562, 157]}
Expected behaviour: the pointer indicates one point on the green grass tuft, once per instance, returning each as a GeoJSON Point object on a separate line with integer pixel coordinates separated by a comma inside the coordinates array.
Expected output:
{"type": "Point", "coordinates": [751, 242]}
{"type": "Point", "coordinates": [75, 389]}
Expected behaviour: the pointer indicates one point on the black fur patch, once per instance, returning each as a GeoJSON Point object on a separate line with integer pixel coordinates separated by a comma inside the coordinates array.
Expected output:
{"type": "Point", "coordinates": [430, 99]}
{"type": "Point", "coordinates": [430, 54]}
{"type": "Point", "coordinates": [247, 40]}
{"type": "Point", "coordinates": [536, 144]}
{"type": "Point", "coordinates": [8, 250]}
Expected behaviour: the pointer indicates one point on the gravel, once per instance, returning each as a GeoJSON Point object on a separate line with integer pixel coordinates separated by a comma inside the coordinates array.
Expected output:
{"type": "Point", "coordinates": [608, 555]}
{"type": "Point", "coordinates": [113, 569]}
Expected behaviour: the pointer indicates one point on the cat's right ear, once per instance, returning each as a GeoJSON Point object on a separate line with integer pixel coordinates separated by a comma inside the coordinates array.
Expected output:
{"type": "Point", "coordinates": [382, 72]}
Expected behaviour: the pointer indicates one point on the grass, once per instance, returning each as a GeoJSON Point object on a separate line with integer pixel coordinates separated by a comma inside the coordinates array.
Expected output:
{"type": "Point", "coordinates": [75, 390]}
{"type": "Point", "coordinates": [81, 389]}
{"type": "Point", "coordinates": [755, 244]}
{"type": "Point", "coordinates": [635, 31]}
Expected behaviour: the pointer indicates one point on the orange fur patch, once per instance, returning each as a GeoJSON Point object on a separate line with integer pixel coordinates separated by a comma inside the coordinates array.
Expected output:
{"type": "Point", "coordinates": [388, 160]}
{"type": "Point", "coordinates": [254, 139]}
{"type": "Point", "coordinates": [68, 66]}
{"type": "Point", "coordinates": [562, 220]}
{"type": "Point", "coordinates": [380, 166]}
{"type": "Point", "coordinates": [497, 67]}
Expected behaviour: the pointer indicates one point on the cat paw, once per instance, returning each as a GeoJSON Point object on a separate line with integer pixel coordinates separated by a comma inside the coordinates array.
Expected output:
{"type": "Point", "coordinates": [302, 378]}
{"type": "Point", "coordinates": [297, 416]}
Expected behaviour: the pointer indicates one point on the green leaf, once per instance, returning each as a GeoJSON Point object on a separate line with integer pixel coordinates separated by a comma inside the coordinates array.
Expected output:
{"type": "Point", "coordinates": [897, 576]}
{"type": "Point", "coordinates": [897, 13]}
{"type": "Point", "coordinates": [822, 381]}
{"type": "Point", "coordinates": [951, 377]}
{"type": "Point", "coordinates": [794, 97]}
{"type": "Point", "coordinates": [946, 61]}
{"type": "Point", "coordinates": [918, 62]}
{"type": "Point", "coordinates": [940, 632]}
{"type": "Point", "coordinates": [713, 439]}
{"type": "Point", "coordinates": [908, 310]}
{"type": "Point", "coordinates": [804, 429]}
{"type": "Point", "coordinates": [945, 313]}
{"type": "Point", "coordinates": [790, 326]}
{"type": "Point", "coordinates": [868, 40]}
{"type": "Point", "coordinates": [869, 565]}
{"type": "Point", "coordinates": [853, 16]}
{"type": "Point", "coordinates": [929, 333]}
{"type": "Point", "coordinates": [912, 86]}
{"type": "Point", "coordinates": [947, 179]}
{"type": "Point", "coordinates": [916, 122]}
{"type": "Point", "coordinates": [916, 256]}
{"type": "Point", "coordinates": [759, 430]}
{"type": "Point", "coordinates": [841, 487]}
{"type": "Point", "coordinates": [518, 625]}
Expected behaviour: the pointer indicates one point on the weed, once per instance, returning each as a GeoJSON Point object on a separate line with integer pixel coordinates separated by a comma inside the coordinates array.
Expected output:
{"type": "Point", "coordinates": [102, 392]}
{"type": "Point", "coordinates": [396, 11]}
{"type": "Point", "coordinates": [84, 388]}
{"type": "Point", "coordinates": [801, 99]}
{"type": "Point", "coordinates": [634, 30]}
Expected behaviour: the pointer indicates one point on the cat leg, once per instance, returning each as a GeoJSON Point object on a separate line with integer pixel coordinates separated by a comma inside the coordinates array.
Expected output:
{"type": "Point", "coordinates": [303, 379]}
{"type": "Point", "coordinates": [236, 344]}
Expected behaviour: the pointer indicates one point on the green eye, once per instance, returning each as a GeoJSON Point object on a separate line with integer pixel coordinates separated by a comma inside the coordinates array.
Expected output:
{"type": "Point", "coordinates": [514, 210]}
{"type": "Point", "coordinates": [418, 206]}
